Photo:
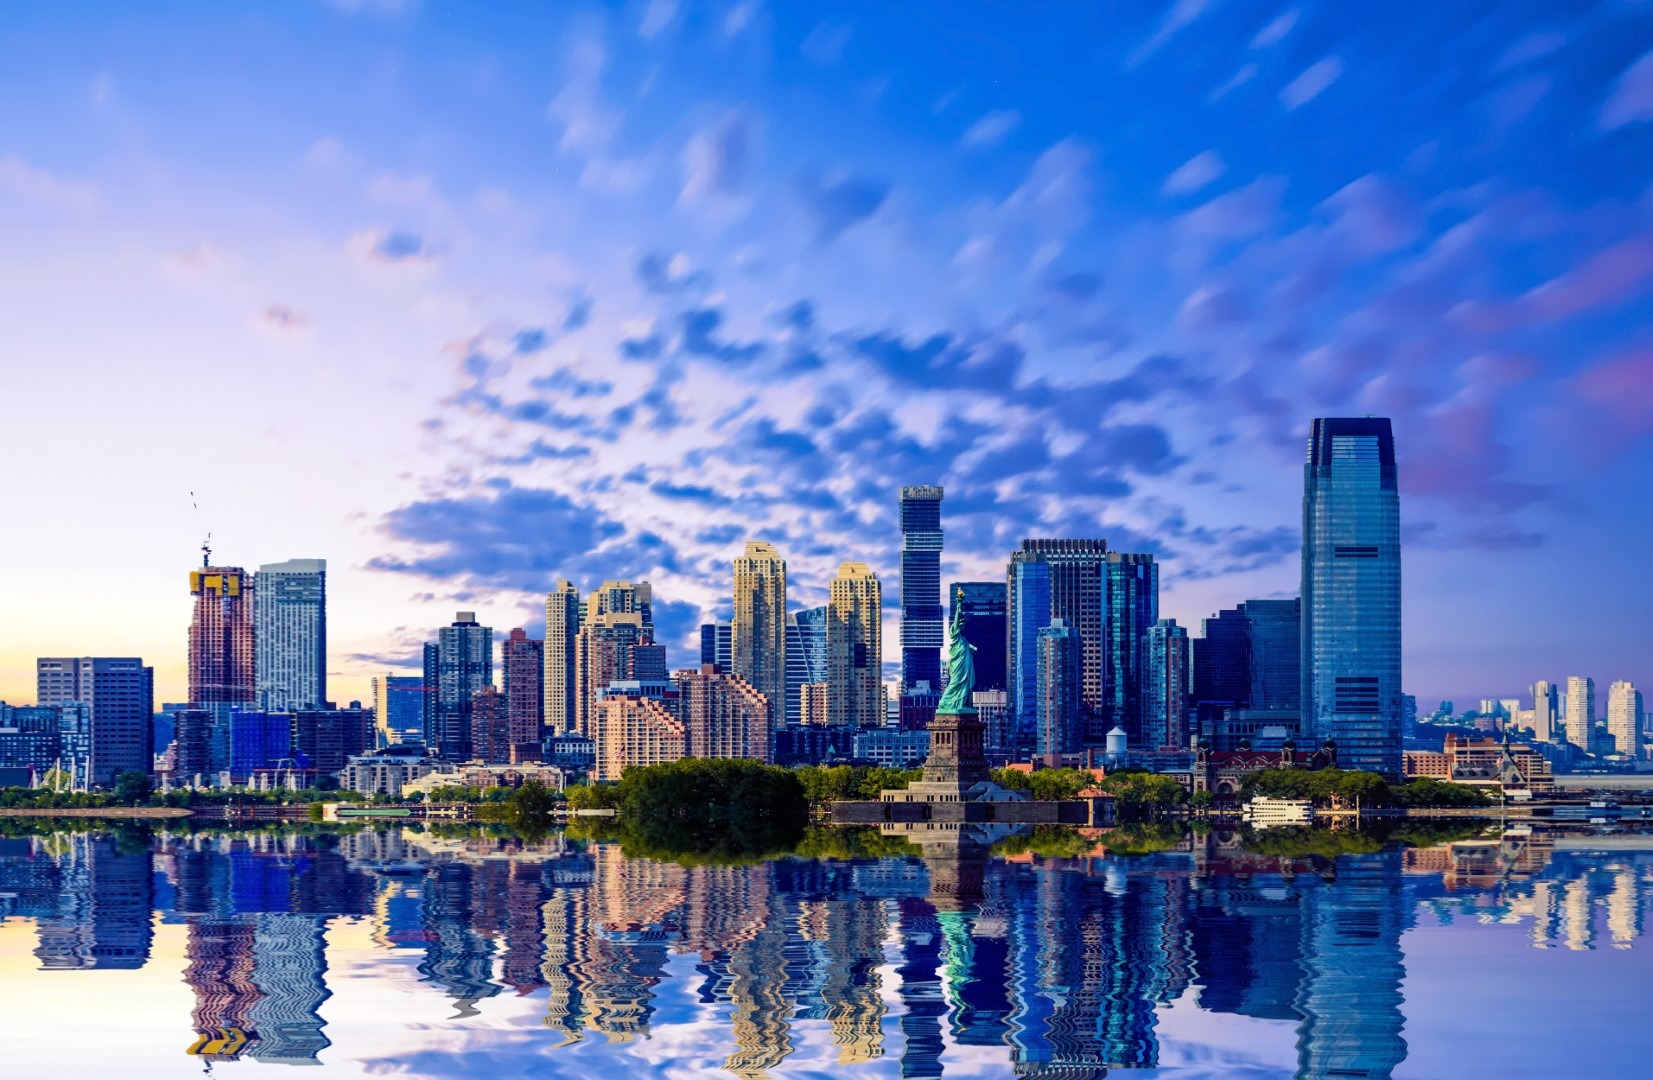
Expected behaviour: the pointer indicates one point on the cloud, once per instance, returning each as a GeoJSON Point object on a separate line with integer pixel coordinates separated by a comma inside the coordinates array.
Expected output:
{"type": "Point", "coordinates": [841, 202]}
{"type": "Point", "coordinates": [717, 159]}
{"type": "Point", "coordinates": [1309, 85]}
{"type": "Point", "coordinates": [1182, 13]}
{"type": "Point", "coordinates": [1373, 215]}
{"type": "Point", "coordinates": [1245, 74]}
{"type": "Point", "coordinates": [586, 121]}
{"type": "Point", "coordinates": [1631, 101]}
{"type": "Point", "coordinates": [1195, 173]}
{"type": "Point", "coordinates": [1621, 389]}
{"type": "Point", "coordinates": [1276, 30]}
{"type": "Point", "coordinates": [45, 188]}
{"type": "Point", "coordinates": [398, 246]}
{"type": "Point", "coordinates": [825, 44]}
{"type": "Point", "coordinates": [1530, 47]}
{"type": "Point", "coordinates": [657, 16]}
{"type": "Point", "coordinates": [284, 318]}
{"type": "Point", "coordinates": [1238, 214]}
{"type": "Point", "coordinates": [991, 129]}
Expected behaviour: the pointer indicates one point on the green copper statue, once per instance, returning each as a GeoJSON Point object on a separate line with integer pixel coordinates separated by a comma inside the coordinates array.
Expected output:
{"type": "Point", "coordinates": [961, 669]}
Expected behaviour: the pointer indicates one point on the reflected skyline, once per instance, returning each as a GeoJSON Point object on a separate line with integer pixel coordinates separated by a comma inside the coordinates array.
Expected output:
{"type": "Point", "coordinates": [1055, 966]}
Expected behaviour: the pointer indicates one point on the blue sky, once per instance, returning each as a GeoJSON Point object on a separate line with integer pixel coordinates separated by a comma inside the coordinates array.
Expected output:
{"type": "Point", "coordinates": [466, 298]}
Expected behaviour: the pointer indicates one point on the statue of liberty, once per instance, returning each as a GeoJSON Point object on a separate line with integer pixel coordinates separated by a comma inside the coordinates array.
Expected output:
{"type": "Point", "coordinates": [961, 669]}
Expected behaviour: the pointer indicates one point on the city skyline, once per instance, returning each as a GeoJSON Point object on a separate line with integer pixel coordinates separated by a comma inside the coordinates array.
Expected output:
{"type": "Point", "coordinates": [602, 292]}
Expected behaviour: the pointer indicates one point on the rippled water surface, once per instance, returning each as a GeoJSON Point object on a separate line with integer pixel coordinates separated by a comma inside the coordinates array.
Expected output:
{"type": "Point", "coordinates": [131, 951]}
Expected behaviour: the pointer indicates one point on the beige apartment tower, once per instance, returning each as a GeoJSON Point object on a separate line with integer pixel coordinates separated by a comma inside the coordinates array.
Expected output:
{"type": "Point", "coordinates": [855, 648]}
{"type": "Point", "coordinates": [1624, 718]}
{"type": "Point", "coordinates": [634, 731]}
{"type": "Point", "coordinates": [562, 629]}
{"type": "Point", "coordinates": [758, 634]}
{"type": "Point", "coordinates": [618, 617]}
{"type": "Point", "coordinates": [1581, 713]}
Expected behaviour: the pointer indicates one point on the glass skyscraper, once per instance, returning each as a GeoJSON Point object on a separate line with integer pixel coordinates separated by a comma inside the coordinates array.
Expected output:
{"type": "Point", "coordinates": [806, 657]}
{"type": "Point", "coordinates": [1351, 593]}
{"type": "Point", "coordinates": [1132, 592]}
{"type": "Point", "coordinates": [464, 663]}
{"type": "Point", "coordinates": [1029, 596]}
{"type": "Point", "coordinates": [921, 618]}
{"type": "Point", "coordinates": [981, 607]}
{"type": "Point", "coordinates": [290, 635]}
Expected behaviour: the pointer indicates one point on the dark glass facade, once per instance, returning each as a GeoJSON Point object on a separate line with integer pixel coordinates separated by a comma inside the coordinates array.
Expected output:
{"type": "Point", "coordinates": [922, 628]}
{"type": "Point", "coordinates": [982, 608]}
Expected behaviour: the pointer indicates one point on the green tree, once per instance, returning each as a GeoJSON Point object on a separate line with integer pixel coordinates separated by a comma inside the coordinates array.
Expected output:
{"type": "Point", "coordinates": [131, 788]}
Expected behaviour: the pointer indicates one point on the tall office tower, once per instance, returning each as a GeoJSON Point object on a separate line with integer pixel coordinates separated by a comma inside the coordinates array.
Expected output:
{"type": "Point", "coordinates": [464, 665]}
{"type": "Point", "coordinates": [490, 727]}
{"type": "Point", "coordinates": [522, 665]}
{"type": "Point", "coordinates": [1132, 606]}
{"type": "Point", "coordinates": [432, 677]}
{"type": "Point", "coordinates": [192, 744]}
{"type": "Point", "coordinates": [1074, 586]}
{"type": "Point", "coordinates": [290, 635]}
{"type": "Point", "coordinates": [1351, 593]}
{"type": "Point", "coordinates": [1624, 718]}
{"type": "Point", "coordinates": [806, 653]}
{"type": "Point", "coordinates": [758, 633]}
{"type": "Point", "coordinates": [1165, 687]}
{"type": "Point", "coordinates": [221, 660]}
{"type": "Point", "coordinates": [1581, 713]}
{"type": "Point", "coordinates": [1028, 599]}
{"type": "Point", "coordinates": [120, 692]}
{"type": "Point", "coordinates": [1248, 663]}
{"type": "Point", "coordinates": [399, 709]}
{"type": "Point", "coordinates": [724, 716]}
{"type": "Point", "coordinates": [562, 629]}
{"type": "Point", "coordinates": [922, 625]}
{"type": "Point", "coordinates": [855, 613]}
{"type": "Point", "coordinates": [717, 644]}
{"type": "Point", "coordinates": [631, 731]}
{"type": "Point", "coordinates": [1061, 721]}
{"type": "Point", "coordinates": [1546, 713]}
{"type": "Point", "coordinates": [981, 608]}
{"type": "Point", "coordinates": [1276, 653]}
{"type": "Point", "coordinates": [1222, 660]}
{"type": "Point", "coordinates": [617, 616]}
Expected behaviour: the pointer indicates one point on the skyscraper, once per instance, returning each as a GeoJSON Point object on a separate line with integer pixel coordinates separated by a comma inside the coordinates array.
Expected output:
{"type": "Point", "coordinates": [120, 693]}
{"type": "Point", "coordinates": [1247, 672]}
{"type": "Point", "coordinates": [290, 635]}
{"type": "Point", "coordinates": [399, 708]}
{"type": "Point", "coordinates": [464, 665]}
{"type": "Point", "coordinates": [758, 634]}
{"type": "Point", "coordinates": [1165, 687]}
{"type": "Point", "coordinates": [1028, 597]}
{"type": "Point", "coordinates": [562, 629]}
{"type": "Point", "coordinates": [1132, 604]}
{"type": "Point", "coordinates": [1351, 592]}
{"type": "Point", "coordinates": [717, 644]}
{"type": "Point", "coordinates": [522, 664]}
{"type": "Point", "coordinates": [221, 660]}
{"type": "Point", "coordinates": [1546, 715]}
{"type": "Point", "coordinates": [490, 727]}
{"type": "Point", "coordinates": [1061, 727]}
{"type": "Point", "coordinates": [855, 610]}
{"type": "Point", "coordinates": [1075, 587]}
{"type": "Point", "coordinates": [922, 627]}
{"type": "Point", "coordinates": [981, 608]}
{"type": "Point", "coordinates": [618, 616]}
{"type": "Point", "coordinates": [1581, 713]}
{"type": "Point", "coordinates": [806, 657]}
{"type": "Point", "coordinates": [1624, 718]}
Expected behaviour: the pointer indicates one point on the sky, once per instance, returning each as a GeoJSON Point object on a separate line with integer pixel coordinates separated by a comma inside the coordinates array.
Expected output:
{"type": "Point", "coordinates": [469, 298]}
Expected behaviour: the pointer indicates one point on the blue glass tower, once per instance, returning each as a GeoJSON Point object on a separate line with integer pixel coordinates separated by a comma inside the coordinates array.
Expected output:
{"type": "Point", "coordinates": [922, 628]}
{"type": "Point", "coordinates": [1351, 593]}
{"type": "Point", "coordinates": [1030, 613]}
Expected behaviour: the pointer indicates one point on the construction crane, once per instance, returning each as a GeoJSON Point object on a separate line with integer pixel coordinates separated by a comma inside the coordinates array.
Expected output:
{"type": "Point", "coordinates": [206, 543]}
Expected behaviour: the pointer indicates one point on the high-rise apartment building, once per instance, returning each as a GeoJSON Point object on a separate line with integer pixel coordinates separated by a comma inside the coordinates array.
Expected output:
{"type": "Point", "coordinates": [222, 674]}
{"type": "Point", "coordinates": [290, 635]}
{"type": "Point", "coordinates": [723, 715]}
{"type": "Point", "coordinates": [618, 616]}
{"type": "Point", "coordinates": [522, 671]}
{"type": "Point", "coordinates": [1132, 605]}
{"type": "Point", "coordinates": [922, 626]}
{"type": "Point", "coordinates": [631, 731]}
{"type": "Point", "coordinates": [1351, 660]}
{"type": "Point", "coordinates": [1165, 665]}
{"type": "Point", "coordinates": [1624, 718]}
{"type": "Point", "coordinates": [1581, 713]}
{"type": "Point", "coordinates": [1546, 712]}
{"type": "Point", "coordinates": [717, 644]}
{"type": "Point", "coordinates": [324, 739]}
{"type": "Point", "coordinates": [855, 612]}
{"type": "Point", "coordinates": [562, 629]}
{"type": "Point", "coordinates": [399, 709]}
{"type": "Point", "coordinates": [120, 694]}
{"type": "Point", "coordinates": [490, 727]}
{"type": "Point", "coordinates": [812, 705]}
{"type": "Point", "coordinates": [981, 609]}
{"type": "Point", "coordinates": [758, 631]}
{"type": "Point", "coordinates": [1061, 728]}
{"type": "Point", "coordinates": [464, 664]}
{"type": "Point", "coordinates": [806, 657]}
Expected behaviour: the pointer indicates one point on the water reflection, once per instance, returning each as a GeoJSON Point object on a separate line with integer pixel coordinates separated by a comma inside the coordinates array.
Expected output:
{"type": "Point", "coordinates": [1061, 964]}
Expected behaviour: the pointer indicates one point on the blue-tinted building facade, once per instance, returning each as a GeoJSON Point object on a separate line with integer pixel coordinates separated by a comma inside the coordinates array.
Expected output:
{"type": "Point", "coordinates": [1132, 599]}
{"type": "Point", "coordinates": [259, 740]}
{"type": "Point", "coordinates": [1351, 661]}
{"type": "Point", "coordinates": [1029, 598]}
{"type": "Point", "coordinates": [1061, 726]}
{"type": "Point", "coordinates": [922, 628]}
{"type": "Point", "coordinates": [981, 608]}
{"type": "Point", "coordinates": [806, 656]}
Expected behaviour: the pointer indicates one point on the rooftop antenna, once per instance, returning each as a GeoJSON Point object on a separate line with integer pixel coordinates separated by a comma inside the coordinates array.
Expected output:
{"type": "Point", "coordinates": [206, 544]}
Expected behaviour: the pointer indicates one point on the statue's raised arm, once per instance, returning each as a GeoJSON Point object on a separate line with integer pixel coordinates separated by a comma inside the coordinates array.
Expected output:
{"type": "Point", "coordinates": [961, 669]}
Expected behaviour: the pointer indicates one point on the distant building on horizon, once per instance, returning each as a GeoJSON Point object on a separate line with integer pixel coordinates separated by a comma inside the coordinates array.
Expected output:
{"type": "Point", "coordinates": [290, 635]}
{"type": "Point", "coordinates": [922, 628]}
{"type": "Point", "coordinates": [855, 667]}
{"type": "Point", "coordinates": [1546, 712]}
{"type": "Point", "coordinates": [1624, 718]}
{"type": "Point", "coordinates": [1581, 712]}
{"type": "Point", "coordinates": [758, 631]}
{"type": "Point", "coordinates": [1351, 593]}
